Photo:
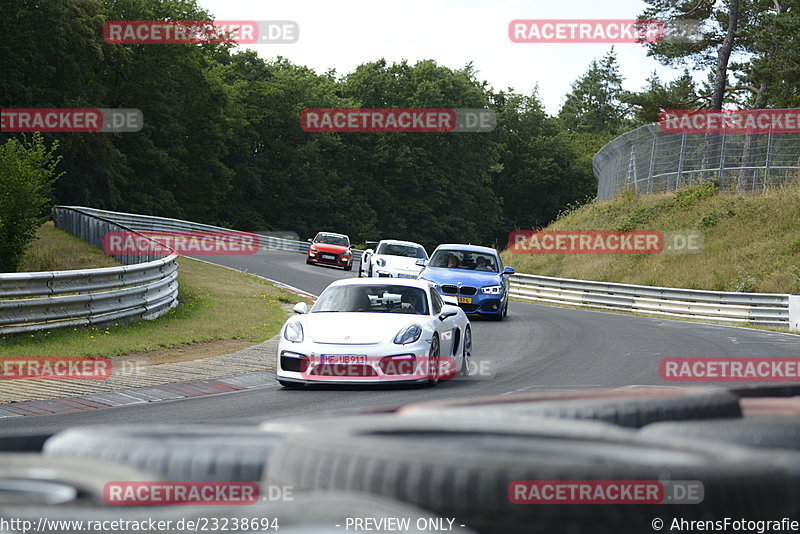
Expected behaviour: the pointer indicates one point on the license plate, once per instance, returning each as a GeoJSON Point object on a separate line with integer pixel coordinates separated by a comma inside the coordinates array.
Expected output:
{"type": "Point", "coordinates": [407, 275]}
{"type": "Point", "coordinates": [464, 300]}
{"type": "Point", "coordinates": [328, 257]}
{"type": "Point", "coordinates": [343, 358]}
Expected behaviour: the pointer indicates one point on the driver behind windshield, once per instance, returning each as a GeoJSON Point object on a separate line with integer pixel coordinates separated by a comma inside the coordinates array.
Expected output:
{"type": "Point", "coordinates": [408, 303]}
{"type": "Point", "coordinates": [480, 264]}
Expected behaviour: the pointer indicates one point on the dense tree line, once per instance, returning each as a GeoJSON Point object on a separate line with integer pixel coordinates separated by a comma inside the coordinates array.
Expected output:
{"type": "Point", "coordinates": [222, 141]}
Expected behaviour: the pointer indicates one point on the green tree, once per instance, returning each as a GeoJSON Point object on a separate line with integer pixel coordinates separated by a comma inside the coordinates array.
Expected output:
{"type": "Point", "coordinates": [595, 103]}
{"type": "Point", "coordinates": [27, 173]}
{"type": "Point", "coordinates": [647, 105]}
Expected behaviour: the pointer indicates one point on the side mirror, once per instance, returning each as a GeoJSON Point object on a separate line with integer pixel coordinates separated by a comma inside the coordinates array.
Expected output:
{"type": "Point", "coordinates": [300, 307]}
{"type": "Point", "coordinates": [448, 311]}
{"type": "Point", "coordinates": [310, 240]}
{"type": "Point", "coordinates": [421, 262]}
{"type": "Point", "coordinates": [509, 270]}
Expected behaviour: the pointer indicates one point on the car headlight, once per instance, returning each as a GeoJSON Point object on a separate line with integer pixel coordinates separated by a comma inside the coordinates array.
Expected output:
{"type": "Point", "coordinates": [381, 262]}
{"type": "Point", "coordinates": [492, 290]}
{"type": "Point", "coordinates": [312, 248]}
{"type": "Point", "coordinates": [408, 335]}
{"type": "Point", "coordinates": [293, 332]}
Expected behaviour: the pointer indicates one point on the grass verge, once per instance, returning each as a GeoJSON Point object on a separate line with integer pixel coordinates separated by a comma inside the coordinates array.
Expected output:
{"type": "Point", "coordinates": [215, 304]}
{"type": "Point", "coordinates": [56, 250]}
{"type": "Point", "coordinates": [751, 242]}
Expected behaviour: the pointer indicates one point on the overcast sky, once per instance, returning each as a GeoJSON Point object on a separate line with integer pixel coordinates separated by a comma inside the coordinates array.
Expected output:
{"type": "Point", "coordinates": [341, 34]}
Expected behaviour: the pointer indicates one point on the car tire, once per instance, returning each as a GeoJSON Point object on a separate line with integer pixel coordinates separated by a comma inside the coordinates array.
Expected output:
{"type": "Point", "coordinates": [309, 262]}
{"type": "Point", "coordinates": [634, 411]}
{"type": "Point", "coordinates": [465, 469]}
{"type": "Point", "coordinates": [466, 353]}
{"type": "Point", "coordinates": [433, 361]}
{"type": "Point", "coordinates": [190, 452]}
{"type": "Point", "coordinates": [348, 267]}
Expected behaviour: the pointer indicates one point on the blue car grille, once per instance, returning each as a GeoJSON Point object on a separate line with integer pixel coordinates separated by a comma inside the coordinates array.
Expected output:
{"type": "Point", "coordinates": [464, 290]}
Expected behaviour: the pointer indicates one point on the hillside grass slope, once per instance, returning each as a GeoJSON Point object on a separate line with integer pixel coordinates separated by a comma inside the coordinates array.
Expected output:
{"type": "Point", "coordinates": [751, 242]}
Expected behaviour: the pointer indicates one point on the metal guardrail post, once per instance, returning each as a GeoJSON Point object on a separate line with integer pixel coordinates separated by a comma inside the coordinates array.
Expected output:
{"type": "Point", "coordinates": [794, 313]}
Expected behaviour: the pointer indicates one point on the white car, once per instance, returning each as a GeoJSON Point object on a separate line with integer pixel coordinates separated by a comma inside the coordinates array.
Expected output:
{"type": "Point", "coordinates": [392, 259]}
{"type": "Point", "coordinates": [375, 331]}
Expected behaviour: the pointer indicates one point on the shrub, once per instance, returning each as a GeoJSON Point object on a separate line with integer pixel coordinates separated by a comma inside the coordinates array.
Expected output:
{"type": "Point", "coordinates": [27, 174]}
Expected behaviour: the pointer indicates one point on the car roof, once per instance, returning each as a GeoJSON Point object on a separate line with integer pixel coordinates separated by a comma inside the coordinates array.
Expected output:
{"type": "Point", "coordinates": [407, 282]}
{"type": "Point", "coordinates": [398, 242]}
{"type": "Point", "coordinates": [468, 248]}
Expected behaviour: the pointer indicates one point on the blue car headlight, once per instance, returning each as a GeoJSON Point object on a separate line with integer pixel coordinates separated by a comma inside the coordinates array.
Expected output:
{"type": "Point", "coordinates": [408, 335]}
{"type": "Point", "coordinates": [381, 262]}
{"type": "Point", "coordinates": [492, 290]}
{"type": "Point", "coordinates": [293, 332]}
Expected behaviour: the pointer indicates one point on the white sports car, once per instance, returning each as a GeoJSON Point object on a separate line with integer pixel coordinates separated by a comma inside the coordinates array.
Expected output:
{"type": "Point", "coordinates": [369, 330]}
{"type": "Point", "coordinates": [392, 259]}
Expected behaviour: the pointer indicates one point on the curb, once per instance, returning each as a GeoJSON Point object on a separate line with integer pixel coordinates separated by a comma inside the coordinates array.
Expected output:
{"type": "Point", "coordinates": [128, 397]}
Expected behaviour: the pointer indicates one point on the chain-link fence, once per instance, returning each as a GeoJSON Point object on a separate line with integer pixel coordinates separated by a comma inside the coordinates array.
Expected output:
{"type": "Point", "coordinates": [648, 160]}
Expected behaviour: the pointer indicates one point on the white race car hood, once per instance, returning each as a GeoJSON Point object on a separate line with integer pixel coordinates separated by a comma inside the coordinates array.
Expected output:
{"type": "Point", "coordinates": [358, 328]}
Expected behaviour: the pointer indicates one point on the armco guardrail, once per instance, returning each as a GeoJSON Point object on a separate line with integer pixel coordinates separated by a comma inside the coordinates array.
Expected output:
{"type": "Point", "coordinates": [149, 223]}
{"type": "Point", "coordinates": [774, 309]}
{"type": "Point", "coordinates": [145, 288]}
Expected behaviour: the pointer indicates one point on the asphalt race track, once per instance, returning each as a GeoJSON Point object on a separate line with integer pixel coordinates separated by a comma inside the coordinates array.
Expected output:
{"type": "Point", "coordinates": [537, 348]}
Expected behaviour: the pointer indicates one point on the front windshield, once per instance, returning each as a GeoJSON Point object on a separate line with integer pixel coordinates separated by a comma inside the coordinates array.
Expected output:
{"type": "Point", "coordinates": [407, 251]}
{"type": "Point", "coordinates": [327, 239]}
{"type": "Point", "coordinates": [379, 298]}
{"type": "Point", "coordinates": [466, 260]}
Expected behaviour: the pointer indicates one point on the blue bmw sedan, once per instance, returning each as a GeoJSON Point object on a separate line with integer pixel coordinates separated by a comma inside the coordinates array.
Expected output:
{"type": "Point", "coordinates": [474, 275]}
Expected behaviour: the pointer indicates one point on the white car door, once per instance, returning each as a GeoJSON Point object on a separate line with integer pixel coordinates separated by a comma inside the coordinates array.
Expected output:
{"type": "Point", "coordinates": [446, 328]}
